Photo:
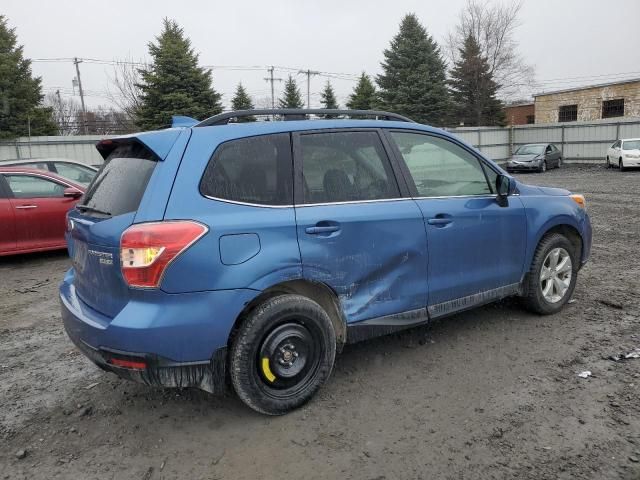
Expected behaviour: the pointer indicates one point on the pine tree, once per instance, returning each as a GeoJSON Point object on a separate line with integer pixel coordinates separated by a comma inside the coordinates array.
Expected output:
{"type": "Point", "coordinates": [174, 84]}
{"type": "Point", "coordinates": [413, 81]}
{"type": "Point", "coordinates": [328, 97]}
{"type": "Point", "coordinates": [364, 96]}
{"type": "Point", "coordinates": [242, 101]}
{"type": "Point", "coordinates": [291, 98]}
{"type": "Point", "coordinates": [20, 92]}
{"type": "Point", "coordinates": [473, 89]}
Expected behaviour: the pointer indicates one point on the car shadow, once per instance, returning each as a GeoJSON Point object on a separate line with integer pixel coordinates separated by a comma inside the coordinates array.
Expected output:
{"type": "Point", "coordinates": [27, 259]}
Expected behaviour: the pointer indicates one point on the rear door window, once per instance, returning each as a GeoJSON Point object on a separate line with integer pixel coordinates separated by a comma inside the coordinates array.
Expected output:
{"type": "Point", "coordinates": [345, 167]}
{"type": "Point", "coordinates": [121, 181]}
{"type": "Point", "coordinates": [76, 173]}
{"type": "Point", "coordinates": [36, 165]}
{"type": "Point", "coordinates": [256, 170]}
{"type": "Point", "coordinates": [31, 186]}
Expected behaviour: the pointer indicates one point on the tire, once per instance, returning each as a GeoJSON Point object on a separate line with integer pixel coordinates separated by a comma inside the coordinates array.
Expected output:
{"type": "Point", "coordinates": [535, 298]}
{"type": "Point", "coordinates": [559, 162]}
{"type": "Point", "coordinates": [282, 354]}
{"type": "Point", "coordinates": [543, 167]}
{"type": "Point", "coordinates": [609, 163]}
{"type": "Point", "coordinates": [621, 165]}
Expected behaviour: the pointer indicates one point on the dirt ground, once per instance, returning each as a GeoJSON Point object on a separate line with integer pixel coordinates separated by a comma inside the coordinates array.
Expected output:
{"type": "Point", "coordinates": [491, 393]}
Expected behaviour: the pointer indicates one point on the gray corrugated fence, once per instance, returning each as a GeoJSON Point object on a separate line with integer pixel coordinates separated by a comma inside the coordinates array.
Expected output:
{"type": "Point", "coordinates": [78, 147]}
{"type": "Point", "coordinates": [578, 141]}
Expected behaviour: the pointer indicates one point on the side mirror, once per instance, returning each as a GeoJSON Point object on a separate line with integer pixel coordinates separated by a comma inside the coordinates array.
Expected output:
{"type": "Point", "coordinates": [72, 193]}
{"type": "Point", "coordinates": [503, 188]}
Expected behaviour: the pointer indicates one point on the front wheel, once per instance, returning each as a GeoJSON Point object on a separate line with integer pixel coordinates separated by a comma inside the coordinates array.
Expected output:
{"type": "Point", "coordinates": [282, 354]}
{"type": "Point", "coordinates": [621, 165]}
{"type": "Point", "coordinates": [609, 163]}
{"type": "Point", "coordinates": [543, 167]}
{"type": "Point", "coordinates": [552, 276]}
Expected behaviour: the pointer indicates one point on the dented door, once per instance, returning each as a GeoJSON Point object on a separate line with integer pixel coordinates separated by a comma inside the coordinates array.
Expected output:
{"type": "Point", "coordinates": [356, 234]}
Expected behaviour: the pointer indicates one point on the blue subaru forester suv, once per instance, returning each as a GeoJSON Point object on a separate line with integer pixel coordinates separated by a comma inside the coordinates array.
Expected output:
{"type": "Point", "coordinates": [249, 253]}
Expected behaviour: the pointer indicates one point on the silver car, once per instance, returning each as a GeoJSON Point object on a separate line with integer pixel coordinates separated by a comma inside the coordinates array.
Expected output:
{"type": "Point", "coordinates": [536, 157]}
{"type": "Point", "coordinates": [75, 171]}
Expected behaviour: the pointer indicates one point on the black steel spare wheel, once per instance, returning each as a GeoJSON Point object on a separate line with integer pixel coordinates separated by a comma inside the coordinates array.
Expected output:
{"type": "Point", "coordinates": [283, 352]}
{"type": "Point", "coordinates": [288, 357]}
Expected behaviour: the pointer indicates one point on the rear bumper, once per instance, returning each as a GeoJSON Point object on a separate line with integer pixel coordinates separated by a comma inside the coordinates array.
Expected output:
{"type": "Point", "coordinates": [180, 338]}
{"type": "Point", "coordinates": [208, 375]}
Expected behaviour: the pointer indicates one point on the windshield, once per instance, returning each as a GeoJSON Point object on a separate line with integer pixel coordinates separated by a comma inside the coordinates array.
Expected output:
{"type": "Point", "coordinates": [530, 150]}
{"type": "Point", "coordinates": [631, 145]}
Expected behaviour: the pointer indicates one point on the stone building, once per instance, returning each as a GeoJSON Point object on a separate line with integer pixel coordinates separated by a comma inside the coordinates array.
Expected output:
{"type": "Point", "coordinates": [595, 102]}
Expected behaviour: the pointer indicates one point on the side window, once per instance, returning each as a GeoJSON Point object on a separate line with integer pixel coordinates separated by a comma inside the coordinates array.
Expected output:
{"type": "Point", "coordinates": [251, 170]}
{"type": "Point", "coordinates": [345, 167]}
{"type": "Point", "coordinates": [29, 186]}
{"type": "Point", "coordinates": [36, 165]}
{"type": "Point", "coordinates": [73, 172]}
{"type": "Point", "coordinates": [548, 149]}
{"type": "Point", "coordinates": [441, 168]}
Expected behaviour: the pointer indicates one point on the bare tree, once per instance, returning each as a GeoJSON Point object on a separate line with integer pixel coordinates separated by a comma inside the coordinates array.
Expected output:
{"type": "Point", "coordinates": [65, 113]}
{"type": "Point", "coordinates": [106, 121]}
{"type": "Point", "coordinates": [124, 91]}
{"type": "Point", "coordinates": [493, 26]}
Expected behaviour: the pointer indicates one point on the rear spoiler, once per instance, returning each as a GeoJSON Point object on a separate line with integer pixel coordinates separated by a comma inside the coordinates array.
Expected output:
{"type": "Point", "coordinates": [178, 121]}
{"type": "Point", "coordinates": [159, 142]}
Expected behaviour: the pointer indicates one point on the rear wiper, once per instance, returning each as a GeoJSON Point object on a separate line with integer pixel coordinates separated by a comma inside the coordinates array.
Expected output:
{"type": "Point", "coordinates": [87, 208]}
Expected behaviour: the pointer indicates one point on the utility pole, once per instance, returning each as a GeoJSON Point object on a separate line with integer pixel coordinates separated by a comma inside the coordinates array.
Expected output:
{"type": "Point", "coordinates": [84, 111]}
{"type": "Point", "coordinates": [271, 80]}
{"type": "Point", "coordinates": [308, 73]}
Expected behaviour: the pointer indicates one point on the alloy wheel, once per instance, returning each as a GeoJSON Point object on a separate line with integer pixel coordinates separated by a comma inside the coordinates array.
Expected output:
{"type": "Point", "coordinates": [555, 275]}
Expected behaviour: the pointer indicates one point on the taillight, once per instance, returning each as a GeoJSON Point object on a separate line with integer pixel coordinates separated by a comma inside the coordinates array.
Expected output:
{"type": "Point", "coordinates": [147, 249]}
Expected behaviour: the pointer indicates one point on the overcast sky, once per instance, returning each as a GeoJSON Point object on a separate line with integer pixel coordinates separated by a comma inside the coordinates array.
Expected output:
{"type": "Point", "coordinates": [568, 42]}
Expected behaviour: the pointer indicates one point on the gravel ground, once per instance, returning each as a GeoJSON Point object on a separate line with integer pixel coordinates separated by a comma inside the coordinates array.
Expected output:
{"type": "Point", "coordinates": [491, 393]}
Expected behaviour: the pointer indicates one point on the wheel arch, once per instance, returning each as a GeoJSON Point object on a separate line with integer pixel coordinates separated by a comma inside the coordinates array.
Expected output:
{"type": "Point", "coordinates": [320, 293]}
{"type": "Point", "coordinates": [566, 229]}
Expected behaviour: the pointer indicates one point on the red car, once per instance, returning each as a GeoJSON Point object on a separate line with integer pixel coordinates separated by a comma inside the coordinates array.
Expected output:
{"type": "Point", "coordinates": [33, 207]}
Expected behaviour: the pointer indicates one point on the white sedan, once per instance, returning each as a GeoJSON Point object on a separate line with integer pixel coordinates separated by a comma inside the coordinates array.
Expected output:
{"type": "Point", "coordinates": [624, 153]}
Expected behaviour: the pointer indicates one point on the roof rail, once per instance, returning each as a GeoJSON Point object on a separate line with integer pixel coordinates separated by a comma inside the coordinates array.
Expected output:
{"type": "Point", "coordinates": [299, 114]}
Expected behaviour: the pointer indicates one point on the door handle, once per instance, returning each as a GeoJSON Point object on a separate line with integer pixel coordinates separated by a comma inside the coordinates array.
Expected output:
{"type": "Point", "coordinates": [439, 221]}
{"type": "Point", "coordinates": [322, 229]}
{"type": "Point", "coordinates": [25, 207]}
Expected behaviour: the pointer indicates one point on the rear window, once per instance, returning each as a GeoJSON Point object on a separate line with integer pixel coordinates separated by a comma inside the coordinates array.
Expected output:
{"type": "Point", "coordinates": [121, 181]}
{"type": "Point", "coordinates": [255, 170]}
